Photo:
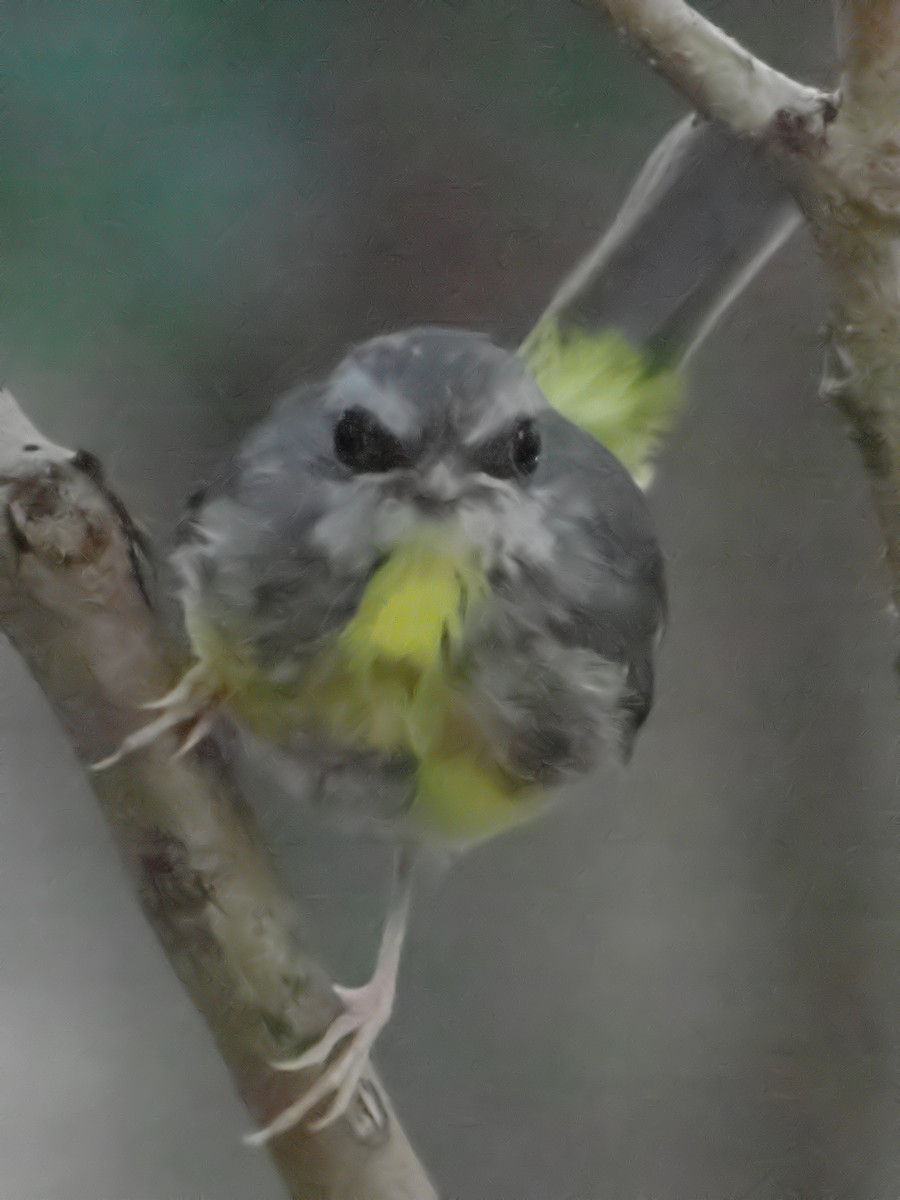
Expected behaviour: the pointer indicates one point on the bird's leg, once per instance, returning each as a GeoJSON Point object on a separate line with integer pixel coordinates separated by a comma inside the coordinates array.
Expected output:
{"type": "Point", "coordinates": [366, 1011]}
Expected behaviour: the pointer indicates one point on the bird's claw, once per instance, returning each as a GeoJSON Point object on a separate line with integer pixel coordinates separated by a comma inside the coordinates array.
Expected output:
{"type": "Point", "coordinates": [192, 705]}
{"type": "Point", "coordinates": [366, 1012]}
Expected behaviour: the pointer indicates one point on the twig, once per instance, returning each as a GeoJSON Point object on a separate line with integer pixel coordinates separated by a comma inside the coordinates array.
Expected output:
{"type": "Point", "coordinates": [717, 75]}
{"type": "Point", "coordinates": [72, 605]}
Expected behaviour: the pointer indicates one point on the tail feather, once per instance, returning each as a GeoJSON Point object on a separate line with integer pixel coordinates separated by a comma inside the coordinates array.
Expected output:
{"type": "Point", "coordinates": [701, 219]}
{"type": "Point", "coordinates": [704, 214]}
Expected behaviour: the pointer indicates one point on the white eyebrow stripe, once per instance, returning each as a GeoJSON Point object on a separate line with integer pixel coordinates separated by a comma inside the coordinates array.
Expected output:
{"type": "Point", "coordinates": [354, 387]}
{"type": "Point", "coordinates": [503, 414]}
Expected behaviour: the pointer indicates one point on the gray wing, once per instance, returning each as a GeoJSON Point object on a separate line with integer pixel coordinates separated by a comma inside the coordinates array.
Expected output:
{"type": "Point", "coordinates": [564, 679]}
{"type": "Point", "coordinates": [701, 219]}
{"type": "Point", "coordinates": [245, 553]}
{"type": "Point", "coordinates": [245, 549]}
{"type": "Point", "coordinates": [607, 592]}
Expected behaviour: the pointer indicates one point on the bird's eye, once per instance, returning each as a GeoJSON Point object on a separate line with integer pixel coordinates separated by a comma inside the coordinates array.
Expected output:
{"type": "Point", "coordinates": [526, 447]}
{"type": "Point", "coordinates": [513, 454]}
{"type": "Point", "coordinates": [363, 445]}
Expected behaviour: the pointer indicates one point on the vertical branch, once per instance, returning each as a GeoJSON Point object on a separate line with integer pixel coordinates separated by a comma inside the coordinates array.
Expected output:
{"type": "Point", "coordinates": [854, 202]}
{"type": "Point", "coordinates": [868, 39]}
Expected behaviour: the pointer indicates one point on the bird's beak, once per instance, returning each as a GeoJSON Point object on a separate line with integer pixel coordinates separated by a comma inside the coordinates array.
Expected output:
{"type": "Point", "coordinates": [436, 490]}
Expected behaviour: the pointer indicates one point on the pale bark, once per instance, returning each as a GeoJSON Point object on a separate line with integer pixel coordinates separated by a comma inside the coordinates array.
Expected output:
{"type": "Point", "coordinates": [719, 77]}
{"type": "Point", "coordinates": [72, 603]}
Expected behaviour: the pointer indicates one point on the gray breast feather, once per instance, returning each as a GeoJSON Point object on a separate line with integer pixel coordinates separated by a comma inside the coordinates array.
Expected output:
{"type": "Point", "coordinates": [550, 712]}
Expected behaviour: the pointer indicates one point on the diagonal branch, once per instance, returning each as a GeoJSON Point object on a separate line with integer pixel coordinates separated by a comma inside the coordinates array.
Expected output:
{"type": "Point", "coordinates": [71, 603]}
{"type": "Point", "coordinates": [712, 71]}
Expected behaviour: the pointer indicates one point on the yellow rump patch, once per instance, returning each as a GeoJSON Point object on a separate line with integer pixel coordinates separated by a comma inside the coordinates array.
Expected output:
{"type": "Point", "coordinates": [608, 387]}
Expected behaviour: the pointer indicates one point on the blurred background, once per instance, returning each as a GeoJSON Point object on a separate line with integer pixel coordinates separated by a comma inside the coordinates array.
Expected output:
{"type": "Point", "coordinates": [686, 987]}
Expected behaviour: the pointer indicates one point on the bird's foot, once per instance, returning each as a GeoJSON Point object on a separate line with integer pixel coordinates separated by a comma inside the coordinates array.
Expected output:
{"type": "Point", "coordinates": [366, 1012]}
{"type": "Point", "coordinates": [191, 707]}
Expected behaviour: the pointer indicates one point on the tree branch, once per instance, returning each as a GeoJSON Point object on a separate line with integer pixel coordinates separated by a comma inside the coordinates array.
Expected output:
{"type": "Point", "coordinates": [72, 604]}
{"type": "Point", "coordinates": [869, 35]}
{"type": "Point", "coordinates": [854, 205]}
{"type": "Point", "coordinates": [712, 71]}
{"type": "Point", "coordinates": [844, 169]}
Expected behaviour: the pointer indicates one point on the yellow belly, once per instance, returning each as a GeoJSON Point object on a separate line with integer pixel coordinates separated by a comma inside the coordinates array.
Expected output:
{"type": "Point", "coordinates": [390, 682]}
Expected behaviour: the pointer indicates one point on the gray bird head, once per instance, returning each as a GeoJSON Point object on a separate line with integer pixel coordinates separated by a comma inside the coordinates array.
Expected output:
{"type": "Point", "coordinates": [439, 392]}
{"type": "Point", "coordinates": [412, 429]}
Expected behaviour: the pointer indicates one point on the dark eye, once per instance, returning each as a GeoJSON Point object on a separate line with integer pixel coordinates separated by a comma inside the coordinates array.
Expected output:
{"type": "Point", "coordinates": [526, 447]}
{"type": "Point", "coordinates": [513, 454]}
{"type": "Point", "coordinates": [363, 445]}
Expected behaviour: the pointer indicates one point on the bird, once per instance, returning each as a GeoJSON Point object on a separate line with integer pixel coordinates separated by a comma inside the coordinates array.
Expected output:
{"type": "Point", "coordinates": [428, 586]}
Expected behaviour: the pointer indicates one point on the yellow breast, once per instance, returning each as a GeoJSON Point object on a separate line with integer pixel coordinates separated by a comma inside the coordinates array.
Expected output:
{"type": "Point", "coordinates": [393, 680]}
